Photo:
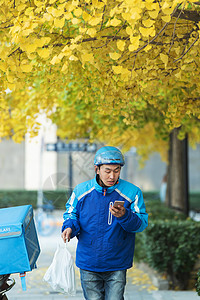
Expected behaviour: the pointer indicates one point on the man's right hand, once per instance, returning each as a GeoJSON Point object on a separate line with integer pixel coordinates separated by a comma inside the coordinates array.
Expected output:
{"type": "Point", "coordinates": [66, 234]}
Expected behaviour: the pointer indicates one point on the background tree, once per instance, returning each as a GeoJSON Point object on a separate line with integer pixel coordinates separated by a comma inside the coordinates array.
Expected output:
{"type": "Point", "coordinates": [123, 72]}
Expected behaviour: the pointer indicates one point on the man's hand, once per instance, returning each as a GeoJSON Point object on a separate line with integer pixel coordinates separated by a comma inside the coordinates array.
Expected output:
{"type": "Point", "coordinates": [66, 234]}
{"type": "Point", "coordinates": [118, 211]}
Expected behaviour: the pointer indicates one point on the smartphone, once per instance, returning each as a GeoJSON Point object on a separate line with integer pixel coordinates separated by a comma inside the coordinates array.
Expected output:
{"type": "Point", "coordinates": [117, 202]}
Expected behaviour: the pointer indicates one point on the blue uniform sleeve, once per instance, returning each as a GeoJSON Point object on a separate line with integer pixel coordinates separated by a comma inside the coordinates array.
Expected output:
{"type": "Point", "coordinates": [71, 218]}
{"type": "Point", "coordinates": [136, 217]}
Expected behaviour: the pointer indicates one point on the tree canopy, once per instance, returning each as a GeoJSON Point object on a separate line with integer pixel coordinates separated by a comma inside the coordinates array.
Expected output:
{"type": "Point", "coordinates": [124, 72]}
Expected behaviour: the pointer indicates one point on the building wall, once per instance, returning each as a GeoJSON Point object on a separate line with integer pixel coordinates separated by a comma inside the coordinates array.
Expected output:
{"type": "Point", "coordinates": [194, 168]}
{"type": "Point", "coordinates": [40, 165]}
{"type": "Point", "coordinates": [149, 177]}
{"type": "Point", "coordinates": [12, 168]}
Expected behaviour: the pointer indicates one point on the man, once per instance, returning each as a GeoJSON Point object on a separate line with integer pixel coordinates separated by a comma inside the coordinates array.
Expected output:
{"type": "Point", "coordinates": [106, 234]}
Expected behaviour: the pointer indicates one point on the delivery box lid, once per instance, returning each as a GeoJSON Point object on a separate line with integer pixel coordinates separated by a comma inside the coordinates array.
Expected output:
{"type": "Point", "coordinates": [13, 218]}
{"type": "Point", "coordinates": [15, 214]}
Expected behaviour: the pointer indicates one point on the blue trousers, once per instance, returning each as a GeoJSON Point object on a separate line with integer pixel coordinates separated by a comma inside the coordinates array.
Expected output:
{"type": "Point", "coordinates": [103, 285]}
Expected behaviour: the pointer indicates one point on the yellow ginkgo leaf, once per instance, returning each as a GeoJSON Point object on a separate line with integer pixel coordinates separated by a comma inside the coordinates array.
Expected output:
{"type": "Point", "coordinates": [147, 31]}
{"type": "Point", "coordinates": [147, 48]}
{"type": "Point", "coordinates": [129, 30]}
{"type": "Point", "coordinates": [95, 21]}
{"type": "Point", "coordinates": [86, 16]}
{"type": "Point", "coordinates": [148, 22]}
{"type": "Point", "coordinates": [135, 40]}
{"type": "Point", "coordinates": [41, 42]}
{"type": "Point", "coordinates": [11, 86]}
{"type": "Point", "coordinates": [72, 57]}
{"type": "Point", "coordinates": [38, 3]}
{"type": "Point", "coordinates": [132, 47]}
{"type": "Point", "coordinates": [47, 17]}
{"type": "Point", "coordinates": [26, 32]}
{"type": "Point", "coordinates": [121, 45]}
{"type": "Point", "coordinates": [31, 56]}
{"type": "Point", "coordinates": [117, 69]}
{"type": "Point", "coordinates": [64, 67]}
{"type": "Point", "coordinates": [75, 21]}
{"type": "Point", "coordinates": [166, 18]}
{"type": "Point", "coordinates": [164, 58]}
{"type": "Point", "coordinates": [78, 12]}
{"type": "Point", "coordinates": [114, 55]}
{"type": "Point", "coordinates": [55, 60]}
{"type": "Point", "coordinates": [44, 53]}
{"type": "Point", "coordinates": [28, 11]}
{"type": "Point", "coordinates": [153, 14]}
{"type": "Point", "coordinates": [26, 68]}
{"type": "Point", "coordinates": [59, 22]}
{"type": "Point", "coordinates": [126, 16]}
{"type": "Point", "coordinates": [125, 71]}
{"type": "Point", "coordinates": [165, 5]}
{"type": "Point", "coordinates": [68, 16]}
{"type": "Point", "coordinates": [183, 67]}
{"type": "Point", "coordinates": [177, 50]}
{"type": "Point", "coordinates": [10, 78]}
{"type": "Point", "coordinates": [87, 57]}
{"type": "Point", "coordinates": [57, 12]}
{"type": "Point", "coordinates": [82, 30]}
{"type": "Point", "coordinates": [115, 22]}
{"type": "Point", "coordinates": [91, 32]}
{"type": "Point", "coordinates": [21, 7]}
{"type": "Point", "coordinates": [3, 66]}
{"type": "Point", "coordinates": [168, 11]}
{"type": "Point", "coordinates": [178, 75]}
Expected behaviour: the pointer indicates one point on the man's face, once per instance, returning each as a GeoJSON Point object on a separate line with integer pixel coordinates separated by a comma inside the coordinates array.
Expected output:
{"type": "Point", "coordinates": [109, 174]}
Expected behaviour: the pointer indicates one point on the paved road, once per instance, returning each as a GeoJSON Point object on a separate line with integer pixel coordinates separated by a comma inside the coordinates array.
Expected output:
{"type": "Point", "coordinates": [139, 286]}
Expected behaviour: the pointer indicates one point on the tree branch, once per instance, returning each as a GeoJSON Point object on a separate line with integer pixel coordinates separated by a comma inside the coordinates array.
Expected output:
{"type": "Point", "coordinates": [189, 15]}
{"type": "Point", "coordinates": [173, 35]}
{"type": "Point", "coordinates": [187, 49]}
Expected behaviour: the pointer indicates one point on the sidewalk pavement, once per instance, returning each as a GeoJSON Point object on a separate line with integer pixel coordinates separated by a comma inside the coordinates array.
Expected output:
{"type": "Point", "coordinates": [139, 285]}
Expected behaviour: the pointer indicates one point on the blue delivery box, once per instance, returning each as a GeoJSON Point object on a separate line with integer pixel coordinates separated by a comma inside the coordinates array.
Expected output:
{"type": "Point", "coordinates": [19, 246]}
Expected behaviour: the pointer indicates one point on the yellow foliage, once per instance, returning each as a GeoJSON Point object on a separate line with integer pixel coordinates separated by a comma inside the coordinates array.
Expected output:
{"type": "Point", "coordinates": [121, 45]}
{"type": "Point", "coordinates": [115, 70]}
{"type": "Point", "coordinates": [115, 22]}
{"type": "Point", "coordinates": [164, 58]}
{"type": "Point", "coordinates": [114, 55]}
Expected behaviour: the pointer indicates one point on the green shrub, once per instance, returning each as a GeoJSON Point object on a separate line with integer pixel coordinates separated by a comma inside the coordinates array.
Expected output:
{"type": "Point", "coordinates": [194, 198]}
{"type": "Point", "coordinates": [22, 197]}
{"type": "Point", "coordinates": [156, 211]}
{"type": "Point", "coordinates": [198, 283]}
{"type": "Point", "coordinates": [195, 201]}
{"type": "Point", "coordinates": [159, 211]}
{"type": "Point", "coordinates": [171, 247]}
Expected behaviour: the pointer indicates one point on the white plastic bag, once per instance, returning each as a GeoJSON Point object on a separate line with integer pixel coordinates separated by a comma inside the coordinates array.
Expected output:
{"type": "Point", "coordinates": [60, 274]}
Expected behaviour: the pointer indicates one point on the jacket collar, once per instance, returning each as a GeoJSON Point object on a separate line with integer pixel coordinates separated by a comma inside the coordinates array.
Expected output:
{"type": "Point", "coordinates": [101, 189]}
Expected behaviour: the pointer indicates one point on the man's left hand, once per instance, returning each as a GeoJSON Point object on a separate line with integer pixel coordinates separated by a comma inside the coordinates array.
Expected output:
{"type": "Point", "coordinates": [118, 211]}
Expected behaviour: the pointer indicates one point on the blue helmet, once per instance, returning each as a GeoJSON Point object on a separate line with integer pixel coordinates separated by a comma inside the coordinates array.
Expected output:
{"type": "Point", "coordinates": [108, 155]}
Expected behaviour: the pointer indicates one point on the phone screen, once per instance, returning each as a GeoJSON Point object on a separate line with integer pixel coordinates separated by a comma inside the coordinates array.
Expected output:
{"type": "Point", "coordinates": [117, 202]}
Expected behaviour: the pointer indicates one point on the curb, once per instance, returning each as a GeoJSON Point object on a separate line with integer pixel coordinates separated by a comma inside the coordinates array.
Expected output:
{"type": "Point", "coordinates": [157, 280]}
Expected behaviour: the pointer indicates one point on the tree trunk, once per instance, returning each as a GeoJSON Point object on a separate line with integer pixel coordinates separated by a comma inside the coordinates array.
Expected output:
{"type": "Point", "coordinates": [177, 192]}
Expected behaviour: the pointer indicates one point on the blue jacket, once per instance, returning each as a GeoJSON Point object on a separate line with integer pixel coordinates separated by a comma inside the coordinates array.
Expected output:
{"type": "Point", "coordinates": [105, 242]}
